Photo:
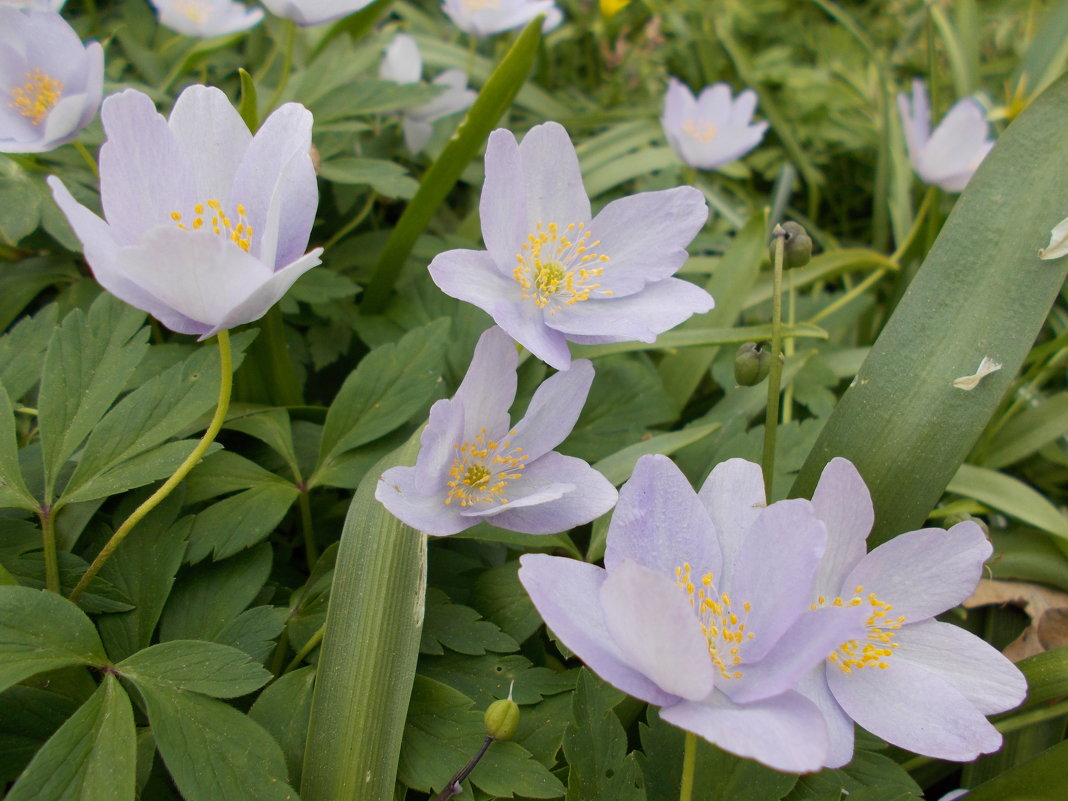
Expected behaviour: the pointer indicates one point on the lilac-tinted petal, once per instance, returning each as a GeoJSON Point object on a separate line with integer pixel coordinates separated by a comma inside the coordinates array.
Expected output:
{"type": "Point", "coordinates": [502, 207]}
{"type": "Point", "coordinates": [62, 123]}
{"type": "Point", "coordinates": [653, 624]}
{"type": "Point", "coordinates": [659, 523]}
{"type": "Point", "coordinates": [733, 495]}
{"type": "Point", "coordinates": [417, 132]}
{"type": "Point", "coordinates": [785, 733]}
{"type": "Point", "coordinates": [843, 503]}
{"type": "Point", "coordinates": [94, 80]}
{"type": "Point", "coordinates": [679, 104]}
{"type": "Point", "coordinates": [402, 62]}
{"type": "Point", "coordinates": [974, 667]}
{"type": "Point", "coordinates": [915, 119]}
{"type": "Point", "coordinates": [714, 105]}
{"type": "Point", "coordinates": [743, 108]}
{"type": "Point", "coordinates": [923, 573]}
{"type": "Point", "coordinates": [813, 685]}
{"type": "Point", "coordinates": [645, 236]}
{"type": "Point", "coordinates": [455, 98]}
{"type": "Point", "coordinates": [642, 316]}
{"type": "Point", "coordinates": [566, 593]}
{"type": "Point", "coordinates": [399, 490]}
{"type": "Point", "coordinates": [554, 409]}
{"type": "Point", "coordinates": [774, 572]}
{"type": "Point", "coordinates": [571, 493]}
{"type": "Point", "coordinates": [804, 646]}
{"type": "Point", "coordinates": [552, 180]}
{"type": "Point", "coordinates": [488, 388]}
{"type": "Point", "coordinates": [144, 174]}
{"type": "Point", "coordinates": [727, 146]}
{"type": "Point", "coordinates": [953, 144]}
{"type": "Point", "coordinates": [438, 444]}
{"type": "Point", "coordinates": [915, 709]}
{"type": "Point", "coordinates": [213, 137]}
{"type": "Point", "coordinates": [314, 12]}
{"type": "Point", "coordinates": [471, 275]}
{"type": "Point", "coordinates": [262, 297]}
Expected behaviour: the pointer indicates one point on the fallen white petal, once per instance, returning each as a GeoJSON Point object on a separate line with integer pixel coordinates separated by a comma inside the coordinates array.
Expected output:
{"type": "Point", "coordinates": [970, 382]}
{"type": "Point", "coordinates": [1058, 242]}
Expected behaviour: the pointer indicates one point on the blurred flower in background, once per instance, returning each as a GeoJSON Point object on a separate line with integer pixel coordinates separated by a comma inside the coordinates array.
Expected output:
{"type": "Point", "coordinates": [205, 18]}
{"type": "Point", "coordinates": [403, 64]}
{"type": "Point", "coordinates": [314, 12]}
{"type": "Point", "coordinates": [948, 157]}
{"type": "Point", "coordinates": [486, 17]}
{"type": "Point", "coordinates": [711, 130]}
{"type": "Point", "coordinates": [53, 81]}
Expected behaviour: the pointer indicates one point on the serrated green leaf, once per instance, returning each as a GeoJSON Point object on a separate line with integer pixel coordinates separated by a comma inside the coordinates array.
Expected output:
{"type": "Point", "coordinates": [363, 96]}
{"type": "Point", "coordinates": [90, 757]}
{"type": "Point", "coordinates": [270, 427]}
{"type": "Point", "coordinates": [485, 678]}
{"type": "Point", "coordinates": [195, 666]}
{"type": "Point", "coordinates": [283, 709]}
{"type": "Point", "coordinates": [22, 350]}
{"type": "Point", "coordinates": [23, 281]}
{"type": "Point", "coordinates": [213, 752]}
{"type": "Point", "coordinates": [240, 521]}
{"type": "Point", "coordinates": [391, 384]}
{"type": "Point", "coordinates": [866, 772]}
{"type": "Point", "coordinates": [499, 596]}
{"type": "Point", "coordinates": [459, 628]}
{"type": "Point", "coordinates": [39, 631]}
{"type": "Point", "coordinates": [384, 177]}
{"type": "Point", "coordinates": [19, 209]}
{"type": "Point", "coordinates": [255, 631]}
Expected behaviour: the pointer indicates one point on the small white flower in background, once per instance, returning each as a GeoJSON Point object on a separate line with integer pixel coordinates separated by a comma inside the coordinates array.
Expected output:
{"type": "Point", "coordinates": [205, 18]}
{"type": "Point", "coordinates": [1058, 242]}
{"type": "Point", "coordinates": [314, 12]}
{"type": "Point", "coordinates": [403, 64]}
{"type": "Point", "coordinates": [50, 82]}
{"type": "Point", "coordinates": [40, 5]}
{"type": "Point", "coordinates": [709, 131]}
{"type": "Point", "coordinates": [947, 157]}
{"type": "Point", "coordinates": [487, 17]}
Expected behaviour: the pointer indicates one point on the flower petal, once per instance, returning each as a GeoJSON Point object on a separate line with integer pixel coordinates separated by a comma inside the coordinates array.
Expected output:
{"type": "Point", "coordinates": [566, 593]}
{"type": "Point", "coordinates": [923, 573]}
{"type": "Point", "coordinates": [488, 388]}
{"type": "Point", "coordinates": [554, 409]}
{"type": "Point", "coordinates": [402, 62]}
{"type": "Point", "coordinates": [843, 503]}
{"type": "Point", "coordinates": [659, 523]}
{"type": "Point", "coordinates": [840, 735]}
{"type": "Point", "coordinates": [679, 104]}
{"type": "Point", "coordinates": [733, 495]}
{"type": "Point", "coordinates": [213, 137]}
{"type": "Point", "coordinates": [262, 297]}
{"type": "Point", "coordinates": [400, 491]}
{"type": "Point", "coordinates": [654, 626]}
{"type": "Point", "coordinates": [552, 180]}
{"type": "Point", "coordinates": [785, 733]}
{"type": "Point", "coordinates": [502, 209]}
{"type": "Point", "coordinates": [953, 145]}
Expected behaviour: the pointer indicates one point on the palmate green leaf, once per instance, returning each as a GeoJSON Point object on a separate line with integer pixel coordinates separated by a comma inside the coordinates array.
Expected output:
{"type": "Point", "coordinates": [23, 281]}
{"type": "Point", "coordinates": [90, 757]}
{"type": "Point", "coordinates": [982, 291]}
{"type": "Point", "coordinates": [283, 709]}
{"type": "Point", "coordinates": [385, 177]}
{"type": "Point", "coordinates": [493, 100]}
{"type": "Point", "coordinates": [195, 666]}
{"type": "Point", "coordinates": [22, 349]}
{"type": "Point", "coordinates": [390, 385]}
{"type": "Point", "coordinates": [486, 678]}
{"type": "Point", "coordinates": [240, 521]}
{"type": "Point", "coordinates": [595, 745]}
{"type": "Point", "coordinates": [272, 428]}
{"type": "Point", "coordinates": [20, 209]}
{"type": "Point", "coordinates": [39, 631]}
{"type": "Point", "coordinates": [212, 751]}
{"type": "Point", "coordinates": [28, 717]}
{"type": "Point", "coordinates": [88, 362]}
{"type": "Point", "coordinates": [459, 628]}
{"type": "Point", "coordinates": [868, 775]}
{"type": "Point", "coordinates": [499, 596]}
{"type": "Point", "coordinates": [1011, 496]}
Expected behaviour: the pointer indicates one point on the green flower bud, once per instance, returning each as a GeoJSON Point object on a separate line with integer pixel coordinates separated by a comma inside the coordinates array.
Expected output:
{"type": "Point", "coordinates": [797, 245]}
{"type": "Point", "coordinates": [751, 364]}
{"type": "Point", "coordinates": [501, 719]}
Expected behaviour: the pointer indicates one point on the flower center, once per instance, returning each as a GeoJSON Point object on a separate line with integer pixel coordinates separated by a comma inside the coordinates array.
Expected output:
{"type": "Point", "coordinates": [701, 131]}
{"type": "Point", "coordinates": [479, 5]}
{"type": "Point", "coordinates": [724, 631]}
{"type": "Point", "coordinates": [36, 97]}
{"type": "Point", "coordinates": [878, 646]}
{"type": "Point", "coordinates": [558, 267]}
{"type": "Point", "coordinates": [482, 470]}
{"type": "Point", "coordinates": [193, 9]}
{"type": "Point", "coordinates": [212, 214]}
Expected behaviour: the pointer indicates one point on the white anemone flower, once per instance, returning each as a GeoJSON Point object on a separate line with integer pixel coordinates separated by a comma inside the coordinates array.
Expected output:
{"type": "Point", "coordinates": [206, 18]}
{"type": "Point", "coordinates": [314, 12]}
{"type": "Point", "coordinates": [487, 17]}
{"type": "Point", "coordinates": [711, 130]}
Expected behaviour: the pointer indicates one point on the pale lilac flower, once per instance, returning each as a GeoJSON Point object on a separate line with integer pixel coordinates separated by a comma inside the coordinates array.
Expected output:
{"type": "Point", "coordinates": [711, 130]}
{"type": "Point", "coordinates": [551, 274]}
{"type": "Point", "coordinates": [40, 5]}
{"type": "Point", "coordinates": [915, 682]}
{"type": "Point", "coordinates": [404, 64]}
{"type": "Point", "coordinates": [206, 224]}
{"type": "Point", "coordinates": [486, 17]}
{"type": "Point", "coordinates": [703, 609]}
{"type": "Point", "coordinates": [948, 157]}
{"type": "Point", "coordinates": [206, 18]}
{"type": "Point", "coordinates": [50, 83]}
{"type": "Point", "coordinates": [474, 466]}
{"type": "Point", "coordinates": [314, 12]}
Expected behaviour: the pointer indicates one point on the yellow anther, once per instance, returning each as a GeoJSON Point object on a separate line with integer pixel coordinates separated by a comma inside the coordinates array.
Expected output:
{"type": "Point", "coordinates": [38, 96]}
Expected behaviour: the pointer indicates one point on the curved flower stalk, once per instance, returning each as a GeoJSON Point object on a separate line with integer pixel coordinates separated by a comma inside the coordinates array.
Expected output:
{"type": "Point", "coordinates": [404, 64]}
{"type": "Point", "coordinates": [206, 224]}
{"type": "Point", "coordinates": [487, 17]}
{"type": "Point", "coordinates": [551, 274]}
{"type": "Point", "coordinates": [50, 81]}
{"type": "Point", "coordinates": [915, 682]}
{"type": "Point", "coordinates": [474, 466]}
{"type": "Point", "coordinates": [206, 18]}
{"type": "Point", "coordinates": [948, 157]}
{"type": "Point", "coordinates": [314, 12]}
{"type": "Point", "coordinates": [702, 609]}
{"type": "Point", "coordinates": [711, 130]}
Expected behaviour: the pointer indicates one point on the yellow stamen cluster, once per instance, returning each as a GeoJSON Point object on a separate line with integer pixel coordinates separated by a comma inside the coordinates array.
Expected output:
{"type": "Point", "coordinates": [879, 644]}
{"type": "Point", "coordinates": [701, 131]}
{"type": "Point", "coordinates": [213, 215]}
{"type": "Point", "coordinates": [193, 9]}
{"type": "Point", "coordinates": [479, 5]}
{"type": "Point", "coordinates": [724, 631]}
{"type": "Point", "coordinates": [36, 97]}
{"type": "Point", "coordinates": [482, 469]}
{"type": "Point", "coordinates": [559, 267]}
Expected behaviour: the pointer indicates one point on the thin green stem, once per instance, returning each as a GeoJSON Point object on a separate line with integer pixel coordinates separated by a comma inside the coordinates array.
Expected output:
{"type": "Point", "coordinates": [847, 297]}
{"type": "Point", "coordinates": [51, 557]}
{"type": "Point", "coordinates": [788, 348]}
{"type": "Point", "coordinates": [225, 383]}
{"type": "Point", "coordinates": [287, 65]}
{"type": "Point", "coordinates": [771, 418]}
{"type": "Point", "coordinates": [85, 154]}
{"type": "Point", "coordinates": [689, 761]}
{"type": "Point", "coordinates": [309, 646]}
{"type": "Point", "coordinates": [353, 221]}
{"type": "Point", "coordinates": [311, 550]}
